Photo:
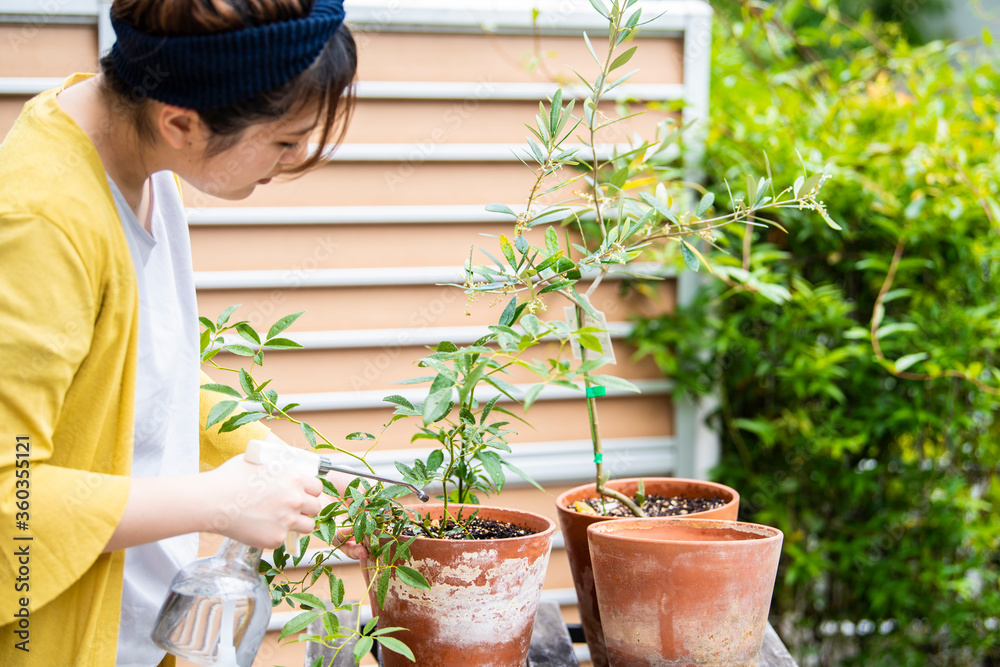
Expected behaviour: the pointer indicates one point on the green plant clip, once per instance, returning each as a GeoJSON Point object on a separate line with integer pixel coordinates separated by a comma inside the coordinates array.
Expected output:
{"type": "Point", "coordinates": [595, 391]}
{"type": "Point", "coordinates": [598, 458]}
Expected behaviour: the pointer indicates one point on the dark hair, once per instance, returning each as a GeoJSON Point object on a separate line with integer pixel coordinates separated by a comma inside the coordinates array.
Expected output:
{"type": "Point", "coordinates": [327, 83]}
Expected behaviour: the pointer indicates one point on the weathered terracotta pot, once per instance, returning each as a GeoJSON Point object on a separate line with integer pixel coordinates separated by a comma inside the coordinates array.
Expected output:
{"type": "Point", "coordinates": [684, 592]}
{"type": "Point", "coordinates": [574, 528]}
{"type": "Point", "coordinates": [483, 598]}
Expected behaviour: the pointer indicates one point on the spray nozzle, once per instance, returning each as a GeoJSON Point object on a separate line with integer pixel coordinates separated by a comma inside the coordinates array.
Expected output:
{"type": "Point", "coordinates": [325, 466]}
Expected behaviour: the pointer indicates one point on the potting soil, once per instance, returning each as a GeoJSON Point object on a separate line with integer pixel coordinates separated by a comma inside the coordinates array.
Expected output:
{"type": "Point", "coordinates": [474, 529]}
{"type": "Point", "coordinates": [655, 506]}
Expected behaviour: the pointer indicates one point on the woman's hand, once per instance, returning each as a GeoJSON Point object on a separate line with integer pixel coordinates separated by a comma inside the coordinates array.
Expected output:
{"type": "Point", "coordinates": [347, 546]}
{"type": "Point", "coordinates": [257, 506]}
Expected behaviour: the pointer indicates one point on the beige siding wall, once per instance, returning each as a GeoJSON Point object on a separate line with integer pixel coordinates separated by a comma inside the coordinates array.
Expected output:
{"type": "Point", "coordinates": [295, 251]}
{"type": "Point", "coordinates": [51, 50]}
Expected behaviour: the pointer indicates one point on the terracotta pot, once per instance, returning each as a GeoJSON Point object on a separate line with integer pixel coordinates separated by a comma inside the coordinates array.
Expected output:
{"type": "Point", "coordinates": [574, 528]}
{"type": "Point", "coordinates": [483, 598]}
{"type": "Point", "coordinates": [684, 592]}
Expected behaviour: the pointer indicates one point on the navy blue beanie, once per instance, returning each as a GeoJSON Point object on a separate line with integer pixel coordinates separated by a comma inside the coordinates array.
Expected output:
{"type": "Point", "coordinates": [221, 69]}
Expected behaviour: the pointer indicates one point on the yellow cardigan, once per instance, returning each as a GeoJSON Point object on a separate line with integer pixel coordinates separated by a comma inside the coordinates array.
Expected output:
{"type": "Point", "coordinates": [68, 335]}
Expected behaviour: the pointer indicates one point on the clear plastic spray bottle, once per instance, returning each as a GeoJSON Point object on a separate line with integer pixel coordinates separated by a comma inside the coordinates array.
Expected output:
{"type": "Point", "coordinates": [217, 610]}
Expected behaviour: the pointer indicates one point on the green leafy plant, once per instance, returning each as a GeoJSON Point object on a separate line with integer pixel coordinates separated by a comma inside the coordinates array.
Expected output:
{"type": "Point", "coordinates": [370, 511]}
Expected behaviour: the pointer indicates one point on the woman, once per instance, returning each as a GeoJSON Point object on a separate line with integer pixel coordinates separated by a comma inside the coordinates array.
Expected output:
{"type": "Point", "coordinates": [99, 379]}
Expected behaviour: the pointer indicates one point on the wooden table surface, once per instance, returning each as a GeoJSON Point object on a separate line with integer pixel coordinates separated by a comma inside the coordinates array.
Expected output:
{"type": "Point", "coordinates": [551, 645]}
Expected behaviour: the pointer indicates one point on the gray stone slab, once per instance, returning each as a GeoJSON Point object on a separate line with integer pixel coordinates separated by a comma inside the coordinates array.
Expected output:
{"type": "Point", "coordinates": [773, 653]}
{"type": "Point", "coordinates": [550, 642]}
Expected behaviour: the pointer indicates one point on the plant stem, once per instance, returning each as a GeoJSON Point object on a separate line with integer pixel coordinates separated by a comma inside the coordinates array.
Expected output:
{"type": "Point", "coordinates": [877, 314]}
{"type": "Point", "coordinates": [597, 280]}
{"type": "Point", "coordinates": [595, 437]}
{"type": "Point", "coordinates": [461, 457]}
{"type": "Point", "coordinates": [450, 444]}
{"type": "Point", "coordinates": [747, 241]}
{"type": "Point", "coordinates": [592, 126]}
{"type": "Point", "coordinates": [278, 413]}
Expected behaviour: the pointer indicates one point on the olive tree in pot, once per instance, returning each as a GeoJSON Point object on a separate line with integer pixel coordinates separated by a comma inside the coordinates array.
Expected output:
{"type": "Point", "coordinates": [629, 210]}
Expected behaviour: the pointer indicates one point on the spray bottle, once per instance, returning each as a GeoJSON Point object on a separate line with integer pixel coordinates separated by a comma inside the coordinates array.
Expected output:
{"type": "Point", "coordinates": [217, 610]}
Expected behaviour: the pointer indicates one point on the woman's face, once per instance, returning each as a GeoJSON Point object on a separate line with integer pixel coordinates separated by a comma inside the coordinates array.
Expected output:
{"type": "Point", "coordinates": [263, 151]}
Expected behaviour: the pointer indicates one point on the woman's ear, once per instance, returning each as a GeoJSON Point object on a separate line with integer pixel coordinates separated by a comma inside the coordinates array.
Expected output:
{"type": "Point", "coordinates": [179, 127]}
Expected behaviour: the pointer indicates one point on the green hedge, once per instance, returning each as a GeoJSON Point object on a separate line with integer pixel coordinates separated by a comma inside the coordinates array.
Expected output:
{"type": "Point", "coordinates": [882, 472]}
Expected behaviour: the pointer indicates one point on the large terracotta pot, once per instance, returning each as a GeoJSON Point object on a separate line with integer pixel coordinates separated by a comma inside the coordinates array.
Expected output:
{"type": "Point", "coordinates": [483, 598]}
{"type": "Point", "coordinates": [574, 528]}
{"type": "Point", "coordinates": [684, 592]}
